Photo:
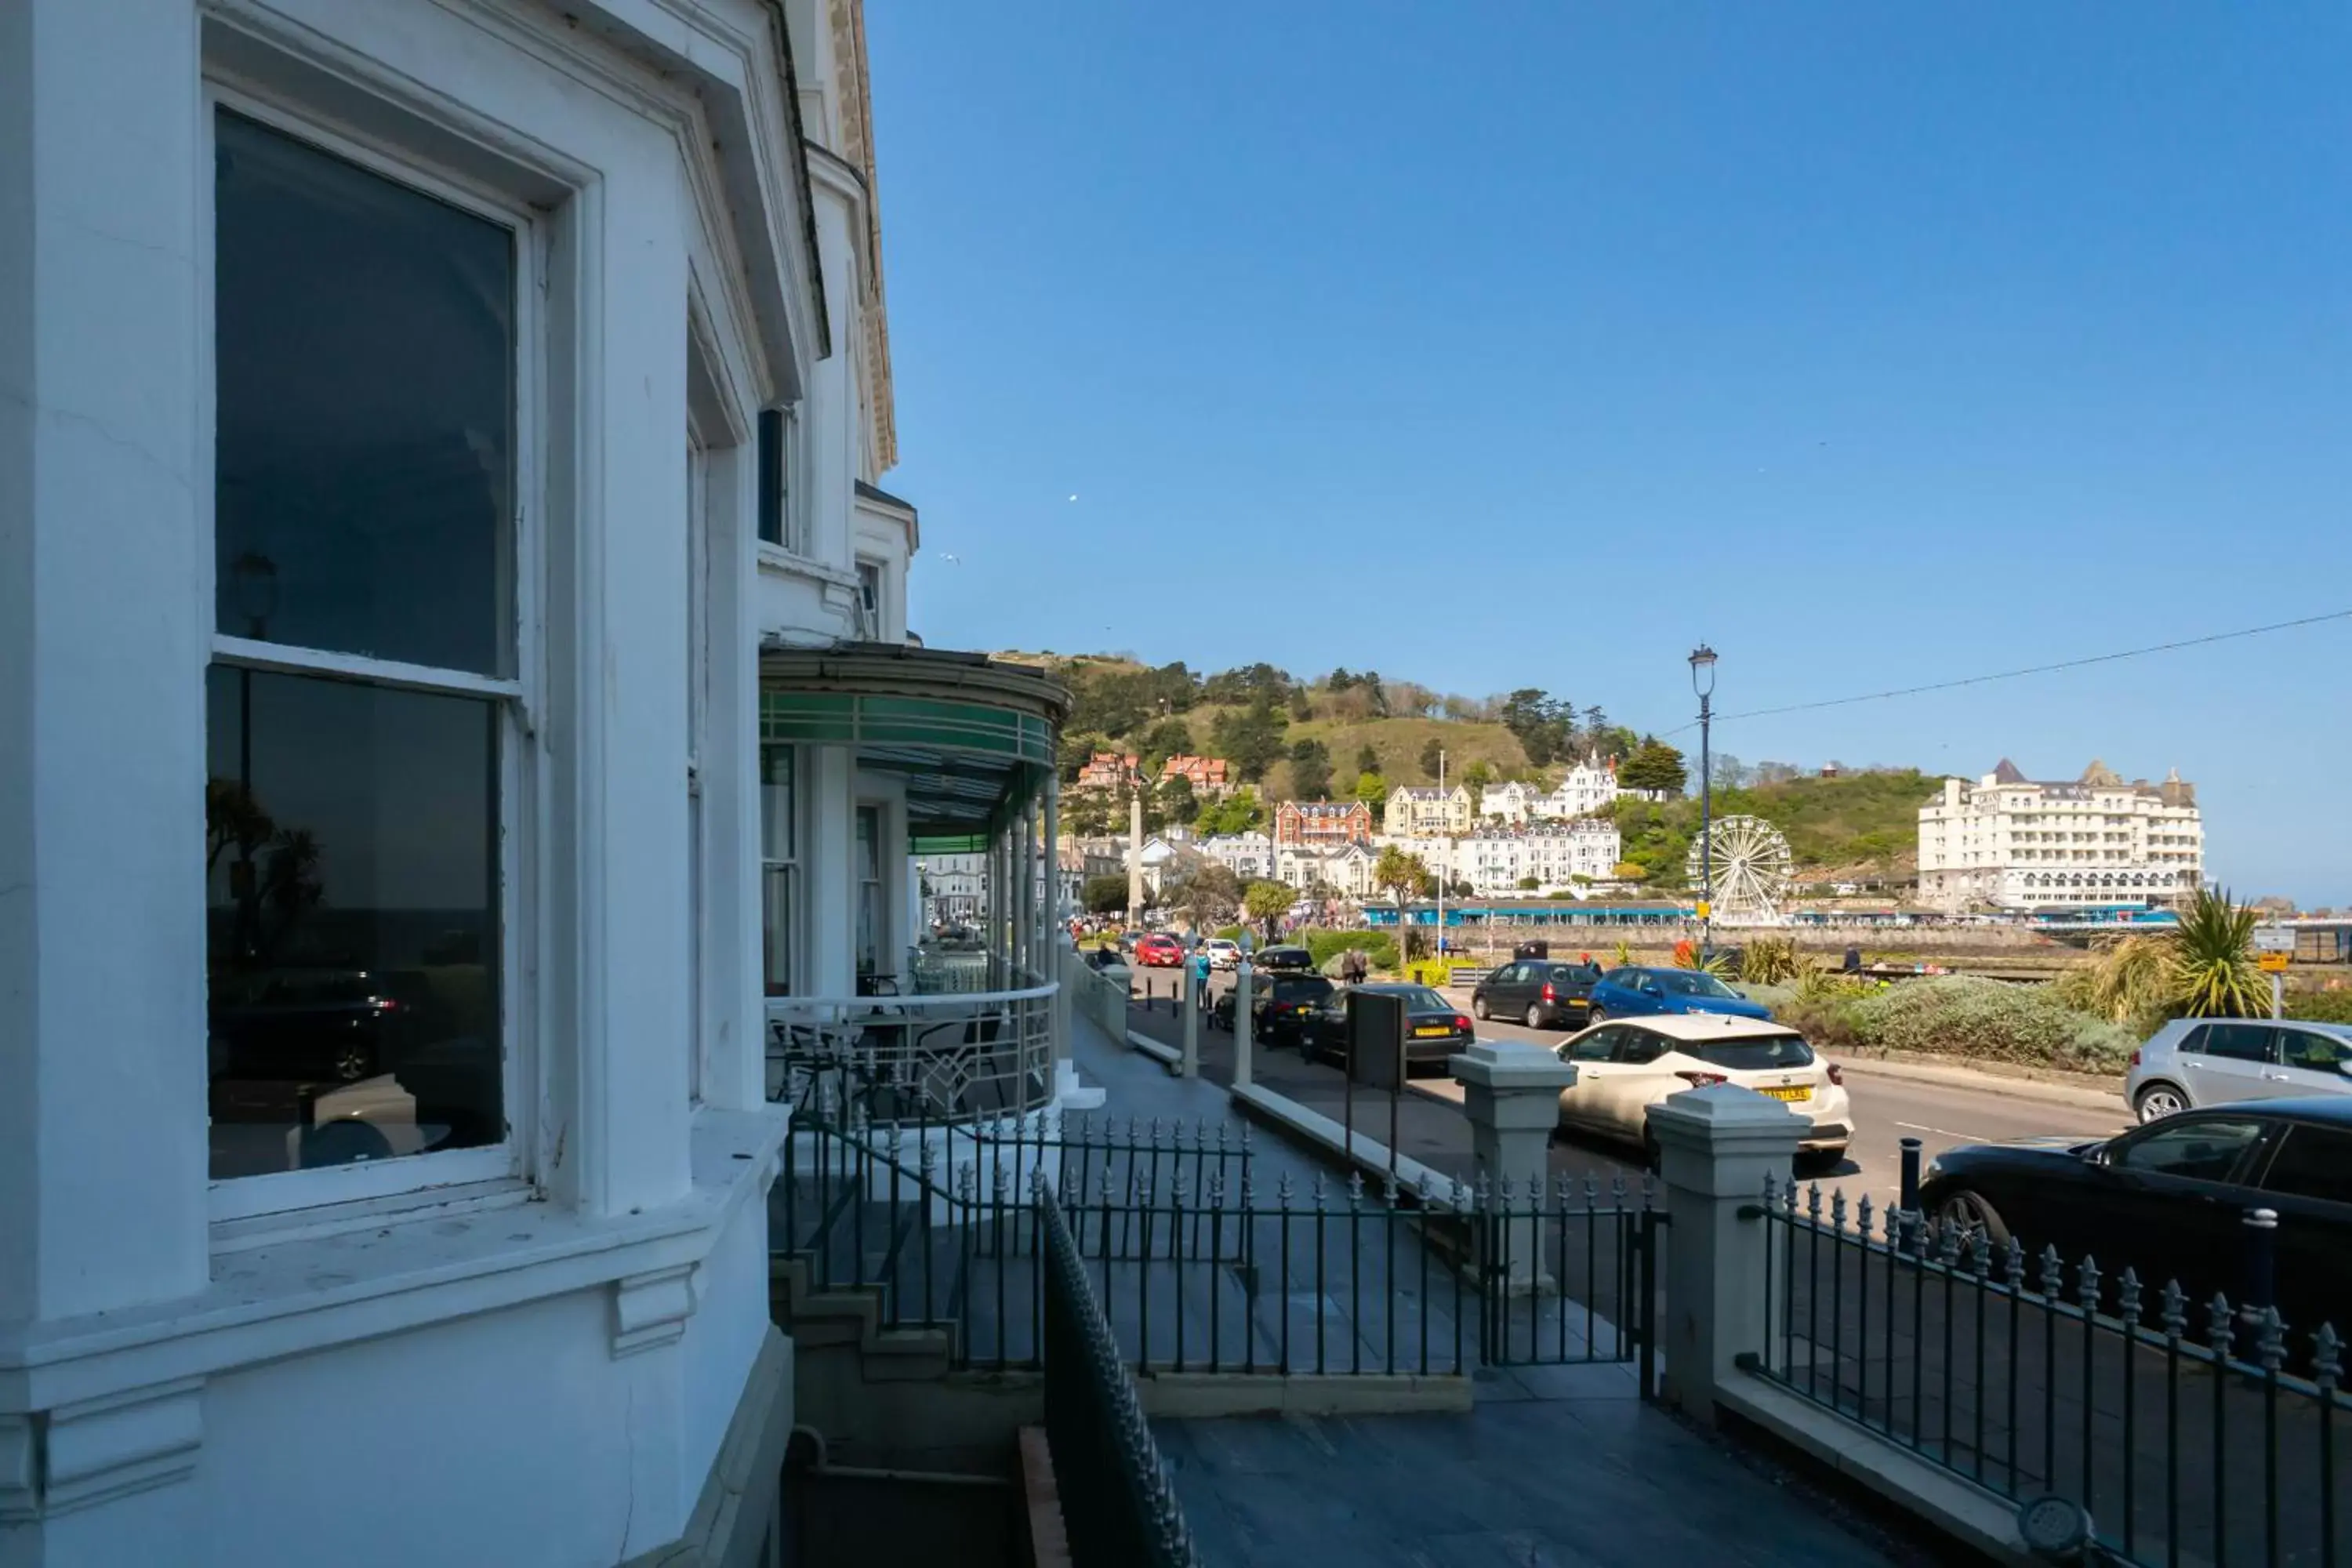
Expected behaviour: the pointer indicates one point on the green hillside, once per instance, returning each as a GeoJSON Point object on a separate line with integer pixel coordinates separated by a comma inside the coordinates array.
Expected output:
{"type": "Point", "coordinates": [1861, 826]}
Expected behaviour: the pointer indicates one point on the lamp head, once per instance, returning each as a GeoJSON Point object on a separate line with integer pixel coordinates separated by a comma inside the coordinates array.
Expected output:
{"type": "Point", "coordinates": [1702, 663]}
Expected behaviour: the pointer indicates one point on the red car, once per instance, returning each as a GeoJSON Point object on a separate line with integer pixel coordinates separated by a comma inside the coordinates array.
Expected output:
{"type": "Point", "coordinates": [1159, 951]}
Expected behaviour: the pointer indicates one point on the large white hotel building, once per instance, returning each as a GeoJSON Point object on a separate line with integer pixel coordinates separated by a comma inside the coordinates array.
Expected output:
{"type": "Point", "coordinates": [2010, 842]}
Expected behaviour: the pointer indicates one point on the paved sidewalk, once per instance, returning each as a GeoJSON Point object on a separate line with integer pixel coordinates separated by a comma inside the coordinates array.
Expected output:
{"type": "Point", "coordinates": [1554, 1466]}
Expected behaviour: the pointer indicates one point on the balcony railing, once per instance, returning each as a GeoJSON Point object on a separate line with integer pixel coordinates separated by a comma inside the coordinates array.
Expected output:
{"type": "Point", "coordinates": [954, 1054]}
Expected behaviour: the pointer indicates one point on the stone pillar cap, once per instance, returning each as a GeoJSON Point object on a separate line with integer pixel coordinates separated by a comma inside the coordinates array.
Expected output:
{"type": "Point", "coordinates": [1724, 1114]}
{"type": "Point", "coordinates": [1512, 1064]}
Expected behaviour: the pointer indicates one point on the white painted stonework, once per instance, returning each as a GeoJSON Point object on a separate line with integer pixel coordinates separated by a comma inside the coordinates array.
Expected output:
{"type": "Point", "coordinates": [538, 1352]}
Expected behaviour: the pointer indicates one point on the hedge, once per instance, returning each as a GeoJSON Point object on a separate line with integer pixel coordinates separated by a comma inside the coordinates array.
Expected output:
{"type": "Point", "coordinates": [1963, 1015]}
{"type": "Point", "coordinates": [1379, 948]}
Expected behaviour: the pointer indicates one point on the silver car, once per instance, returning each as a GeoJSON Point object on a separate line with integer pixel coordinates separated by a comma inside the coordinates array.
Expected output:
{"type": "Point", "coordinates": [2191, 1062]}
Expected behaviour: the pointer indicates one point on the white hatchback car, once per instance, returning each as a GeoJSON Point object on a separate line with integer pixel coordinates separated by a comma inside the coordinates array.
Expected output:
{"type": "Point", "coordinates": [1224, 953]}
{"type": "Point", "coordinates": [1628, 1065]}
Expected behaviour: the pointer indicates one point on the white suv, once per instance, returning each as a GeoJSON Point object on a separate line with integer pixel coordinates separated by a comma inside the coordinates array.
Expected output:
{"type": "Point", "coordinates": [1628, 1065]}
{"type": "Point", "coordinates": [2219, 1061]}
{"type": "Point", "coordinates": [1224, 953]}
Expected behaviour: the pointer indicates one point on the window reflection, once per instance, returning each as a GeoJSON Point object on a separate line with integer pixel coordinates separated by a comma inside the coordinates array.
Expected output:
{"type": "Point", "coordinates": [366, 406]}
{"type": "Point", "coordinates": [351, 843]}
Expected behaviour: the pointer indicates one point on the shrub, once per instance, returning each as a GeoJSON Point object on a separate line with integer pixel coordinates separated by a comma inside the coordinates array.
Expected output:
{"type": "Point", "coordinates": [1989, 1020]}
{"type": "Point", "coordinates": [1379, 948]}
{"type": "Point", "coordinates": [2321, 1006]}
{"type": "Point", "coordinates": [1769, 960]}
{"type": "Point", "coordinates": [1831, 1023]}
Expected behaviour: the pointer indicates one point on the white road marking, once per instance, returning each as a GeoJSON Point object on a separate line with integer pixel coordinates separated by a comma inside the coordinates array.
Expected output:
{"type": "Point", "coordinates": [1942, 1132]}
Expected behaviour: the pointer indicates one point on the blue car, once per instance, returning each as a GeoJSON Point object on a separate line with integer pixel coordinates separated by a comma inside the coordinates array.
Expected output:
{"type": "Point", "coordinates": [1632, 992]}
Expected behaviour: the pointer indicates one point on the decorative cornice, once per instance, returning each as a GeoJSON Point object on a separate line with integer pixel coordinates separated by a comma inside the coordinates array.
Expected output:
{"type": "Point", "coordinates": [650, 1311]}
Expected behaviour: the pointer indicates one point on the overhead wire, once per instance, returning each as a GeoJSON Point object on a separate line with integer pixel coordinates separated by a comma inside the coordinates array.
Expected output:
{"type": "Point", "coordinates": [2029, 670]}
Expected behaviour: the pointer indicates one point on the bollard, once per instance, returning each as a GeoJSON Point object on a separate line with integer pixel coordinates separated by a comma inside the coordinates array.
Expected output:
{"type": "Point", "coordinates": [1910, 1175]}
{"type": "Point", "coordinates": [1243, 1074]}
{"type": "Point", "coordinates": [2262, 1259]}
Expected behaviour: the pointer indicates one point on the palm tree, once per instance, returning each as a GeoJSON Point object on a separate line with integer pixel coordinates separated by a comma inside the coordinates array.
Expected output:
{"type": "Point", "coordinates": [2214, 974]}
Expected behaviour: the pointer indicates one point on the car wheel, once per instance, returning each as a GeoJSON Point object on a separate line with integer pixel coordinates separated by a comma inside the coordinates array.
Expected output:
{"type": "Point", "coordinates": [1478, 1008]}
{"type": "Point", "coordinates": [2159, 1100]}
{"type": "Point", "coordinates": [1535, 1017]}
{"type": "Point", "coordinates": [354, 1063]}
{"type": "Point", "coordinates": [1970, 1212]}
{"type": "Point", "coordinates": [1595, 1015]}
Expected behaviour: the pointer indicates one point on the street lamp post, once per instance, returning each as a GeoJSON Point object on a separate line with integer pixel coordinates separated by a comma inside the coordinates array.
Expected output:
{"type": "Point", "coordinates": [1702, 663]}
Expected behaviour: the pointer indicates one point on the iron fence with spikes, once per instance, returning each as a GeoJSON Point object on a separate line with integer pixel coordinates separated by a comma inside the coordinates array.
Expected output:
{"type": "Point", "coordinates": [2206, 1435]}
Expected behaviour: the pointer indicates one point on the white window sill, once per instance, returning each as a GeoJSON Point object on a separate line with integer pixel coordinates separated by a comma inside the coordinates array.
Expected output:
{"type": "Point", "coordinates": [776, 559]}
{"type": "Point", "coordinates": [312, 1286]}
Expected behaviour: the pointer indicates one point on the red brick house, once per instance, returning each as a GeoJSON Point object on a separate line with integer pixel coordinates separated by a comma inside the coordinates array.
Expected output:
{"type": "Point", "coordinates": [1209, 776]}
{"type": "Point", "coordinates": [1106, 770]}
{"type": "Point", "coordinates": [1322, 822]}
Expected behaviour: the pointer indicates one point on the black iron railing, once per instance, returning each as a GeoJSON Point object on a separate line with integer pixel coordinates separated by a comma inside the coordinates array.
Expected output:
{"type": "Point", "coordinates": [1118, 1506]}
{"type": "Point", "coordinates": [1199, 1263]}
{"type": "Point", "coordinates": [2189, 1432]}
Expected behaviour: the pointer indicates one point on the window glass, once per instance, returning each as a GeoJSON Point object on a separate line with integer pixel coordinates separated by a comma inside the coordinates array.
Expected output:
{"type": "Point", "coordinates": [2313, 1162]}
{"type": "Point", "coordinates": [364, 447]}
{"type": "Point", "coordinates": [769, 456]}
{"type": "Point", "coordinates": [1693, 983]}
{"type": "Point", "coordinates": [1754, 1055]}
{"type": "Point", "coordinates": [1639, 1048]}
{"type": "Point", "coordinates": [2311, 1049]}
{"type": "Point", "coordinates": [779, 830]}
{"type": "Point", "coordinates": [780, 871]}
{"type": "Point", "coordinates": [2204, 1149]}
{"type": "Point", "coordinates": [353, 933]}
{"type": "Point", "coordinates": [2235, 1042]}
{"type": "Point", "coordinates": [869, 890]}
{"type": "Point", "coordinates": [1596, 1045]}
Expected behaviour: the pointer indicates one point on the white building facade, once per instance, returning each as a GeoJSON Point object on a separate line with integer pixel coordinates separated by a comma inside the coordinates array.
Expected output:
{"type": "Point", "coordinates": [2010, 842]}
{"type": "Point", "coordinates": [446, 433]}
{"type": "Point", "coordinates": [1346, 869]}
{"type": "Point", "coordinates": [1496, 862]}
{"type": "Point", "coordinates": [1586, 788]}
{"type": "Point", "coordinates": [1248, 856]}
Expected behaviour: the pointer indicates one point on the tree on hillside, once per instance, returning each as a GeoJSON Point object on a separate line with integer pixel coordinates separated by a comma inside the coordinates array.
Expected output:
{"type": "Point", "coordinates": [1086, 815]}
{"type": "Point", "coordinates": [1070, 753]}
{"type": "Point", "coordinates": [1371, 789]}
{"type": "Point", "coordinates": [1250, 684]}
{"type": "Point", "coordinates": [1478, 776]}
{"type": "Point", "coordinates": [1169, 738]}
{"type": "Point", "coordinates": [1237, 812]}
{"type": "Point", "coordinates": [1250, 740]}
{"type": "Point", "coordinates": [1777, 772]}
{"type": "Point", "coordinates": [1730, 772]}
{"type": "Point", "coordinates": [1432, 751]}
{"type": "Point", "coordinates": [1310, 770]}
{"type": "Point", "coordinates": [1104, 895]}
{"type": "Point", "coordinates": [1302, 707]}
{"type": "Point", "coordinates": [1545, 726]}
{"type": "Point", "coordinates": [1265, 902]}
{"type": "Point", "coordinates": [1175, 800]}
{"type": "Point", "coordinates": [1654, 766]}
{"type": "Point", "coordinates": [1368, 761]}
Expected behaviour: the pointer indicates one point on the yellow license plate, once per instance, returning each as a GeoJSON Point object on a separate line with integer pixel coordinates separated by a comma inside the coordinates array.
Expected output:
{"type": "Point", "coordinates": [1796, 1093]}
{"type": "Point", "coordinates": [1425, 1034]}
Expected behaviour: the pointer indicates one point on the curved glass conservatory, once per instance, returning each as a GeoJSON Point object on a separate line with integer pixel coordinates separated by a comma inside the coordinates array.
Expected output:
{"type": "Point", "coordinates": [940, 764]}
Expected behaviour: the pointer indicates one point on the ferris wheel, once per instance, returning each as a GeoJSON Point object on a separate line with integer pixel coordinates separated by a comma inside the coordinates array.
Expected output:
{"type": "Point", "coordinates": [1750, 862]}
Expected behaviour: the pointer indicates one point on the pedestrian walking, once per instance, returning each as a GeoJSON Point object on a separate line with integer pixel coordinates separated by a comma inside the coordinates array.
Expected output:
{"type": "Point", "coordinates": [1199, 965]}
{"type": "Point", "coordinates": [1353, 967]}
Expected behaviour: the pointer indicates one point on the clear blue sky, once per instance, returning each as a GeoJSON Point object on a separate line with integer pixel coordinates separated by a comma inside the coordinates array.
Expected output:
{"type": "Point", "coordinates": [1498, 344]}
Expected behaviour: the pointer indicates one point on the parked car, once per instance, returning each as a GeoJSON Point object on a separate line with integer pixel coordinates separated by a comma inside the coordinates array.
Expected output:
{"type": "Point", "coordinates": [1158, 950]}
{"type": "Point", "coordinates": [2169, 1200]}
{"type": "Point", "coordinates": [1642, 993]}
{"type": "Point", "coordinates": [1284, 960]}
{"type": "Point", "coordinates": [1542, 993]}
{"type": "Point", "coordinates": [1279, 1009]}
{"type": "Point", "coordinates": [2191, 1062]}
{"type": "Point", "coordinates": [1625, 1067]}
{"type": "Point", "coordinates": [1223, 952]}
{"type": "Point", "coordinates": [317, 1024]}
{"type": "Point", "coordinates": [1434, 1028]}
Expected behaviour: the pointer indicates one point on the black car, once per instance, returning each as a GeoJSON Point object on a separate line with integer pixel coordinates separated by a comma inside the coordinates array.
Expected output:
{"type": "Point", "coordinates": [1434, 1028]}
{"type": "Point", "coordinates": [1284, 961]}
{"type": "Point", "coordinates": [2169, 1200]}
{"type": "Point", "coordinates": [1540, 993]}
{"type": "Point", "coordinates": [329, 1024]}
{"type": "Point", "coordinates": [1279, 1007]}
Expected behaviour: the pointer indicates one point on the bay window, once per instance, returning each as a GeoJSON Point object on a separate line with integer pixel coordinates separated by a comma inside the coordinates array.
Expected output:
{"type": "Point", "coordinates": [368, 687]}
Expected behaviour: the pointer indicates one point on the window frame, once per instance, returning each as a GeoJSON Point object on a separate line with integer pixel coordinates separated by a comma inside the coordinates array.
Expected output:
{"type": "Point", "coordinates": [790, 866]}
{"type": "Point", "coordinates": [519, 702]}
